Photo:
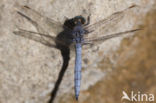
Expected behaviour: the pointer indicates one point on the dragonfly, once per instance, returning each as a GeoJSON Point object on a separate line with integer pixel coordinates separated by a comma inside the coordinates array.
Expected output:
{"type": "Point", "coordinates": [73, 32]}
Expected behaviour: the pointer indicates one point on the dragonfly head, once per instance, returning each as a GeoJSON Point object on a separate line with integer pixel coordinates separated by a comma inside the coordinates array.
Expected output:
{"type": "Point", "coordinates": [71, 23]}
{"type": "Point", "coordinates": [79, 20]}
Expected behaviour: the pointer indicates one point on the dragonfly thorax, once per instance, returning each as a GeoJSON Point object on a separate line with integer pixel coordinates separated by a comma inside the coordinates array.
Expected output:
{"type": "Point", "coordinates": [78, 33]}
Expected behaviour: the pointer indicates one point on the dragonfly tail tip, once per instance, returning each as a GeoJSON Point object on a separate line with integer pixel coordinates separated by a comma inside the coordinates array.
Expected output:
{"type": "Point", "coordinates": [77, 97]}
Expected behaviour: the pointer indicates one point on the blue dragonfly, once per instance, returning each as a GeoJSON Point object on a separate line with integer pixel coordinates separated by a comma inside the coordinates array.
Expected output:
{"type": "Point", "coordinates": [76, 32]}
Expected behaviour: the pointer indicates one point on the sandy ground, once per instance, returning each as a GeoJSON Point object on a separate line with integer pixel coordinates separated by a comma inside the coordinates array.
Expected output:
{"type": "Point", "coordinates": [29, 70]}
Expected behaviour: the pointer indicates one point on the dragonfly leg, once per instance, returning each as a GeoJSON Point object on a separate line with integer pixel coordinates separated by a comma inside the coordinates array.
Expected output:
{"type": "Point", "coordinates": [87, 32]}
{"type": "Point", "coordinates": [88, 21]}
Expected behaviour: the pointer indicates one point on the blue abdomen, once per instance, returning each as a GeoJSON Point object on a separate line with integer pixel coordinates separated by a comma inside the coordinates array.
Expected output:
{"type": "Point", "coordinates": [77, 69]}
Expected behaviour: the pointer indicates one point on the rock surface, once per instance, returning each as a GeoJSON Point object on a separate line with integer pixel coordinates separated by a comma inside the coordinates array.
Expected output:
{"type": "Point", "coordinates": [29, 70]}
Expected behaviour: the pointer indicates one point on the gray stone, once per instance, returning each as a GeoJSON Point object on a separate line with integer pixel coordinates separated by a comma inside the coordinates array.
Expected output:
{"type": "Point", "coordinates": [29, 70]}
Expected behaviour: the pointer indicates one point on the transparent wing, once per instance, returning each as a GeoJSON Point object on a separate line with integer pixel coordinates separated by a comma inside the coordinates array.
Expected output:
{"type": "Point", "coordinates": [40, 21]}
{"type": "Point", "coordinates": [44, 39]}
{"type": "Point", "coordinates": [45, 26]}
{"type": "Point", "coordinates": [38, 37]}
{"type": "Point", "coordinates": [109, 22]}
{"type": "Point", "coordinates": [90, 42]}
